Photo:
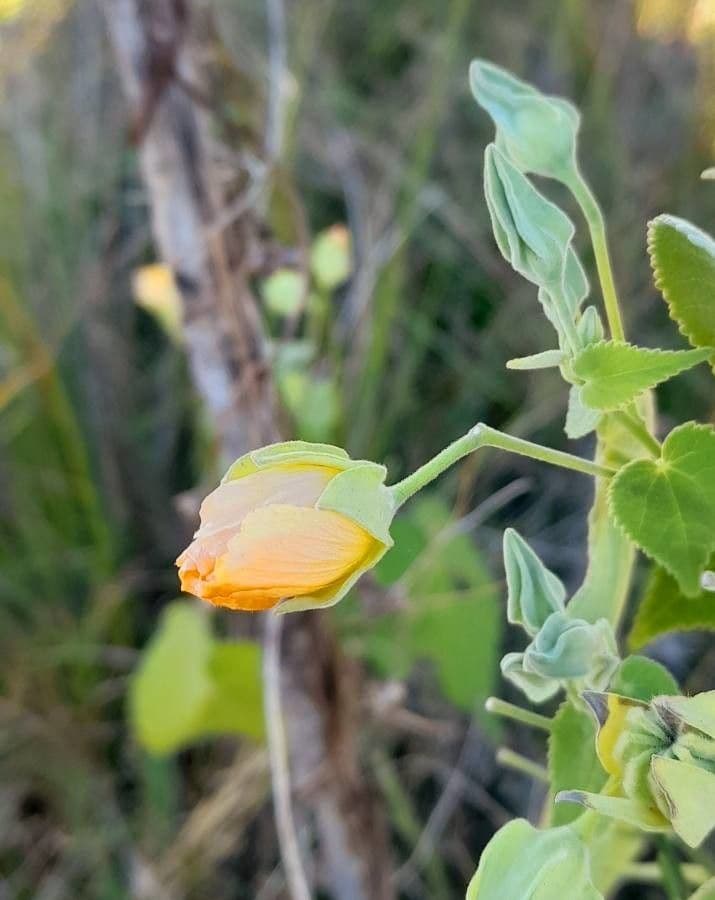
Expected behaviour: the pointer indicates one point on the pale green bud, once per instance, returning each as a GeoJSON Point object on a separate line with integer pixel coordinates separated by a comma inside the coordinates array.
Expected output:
{"type": "Point", "coordinates": [537, 132]}
{"type": "Point", "coordinates": [538, 688]}
{"type": "Point", "coordinates": [532, 233]}
{"type": "Point", "coordinates": [568, 648]}
{"type": "Point", "coordinates": [533, 592]}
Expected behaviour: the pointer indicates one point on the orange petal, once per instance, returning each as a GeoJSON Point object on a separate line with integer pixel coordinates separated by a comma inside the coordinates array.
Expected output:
{"type": "Point", "coordinates": [286, 551]}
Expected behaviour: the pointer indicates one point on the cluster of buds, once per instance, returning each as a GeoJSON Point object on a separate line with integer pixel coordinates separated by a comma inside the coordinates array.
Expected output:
{"type": "Point", "coordinates": [563, 648]}
{"type": "Point", "coordinates": [661, 759]}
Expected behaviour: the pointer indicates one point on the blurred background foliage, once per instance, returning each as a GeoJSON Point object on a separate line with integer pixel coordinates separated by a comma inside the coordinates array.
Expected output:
{"type": "Point", "coordinates": [391, 342]}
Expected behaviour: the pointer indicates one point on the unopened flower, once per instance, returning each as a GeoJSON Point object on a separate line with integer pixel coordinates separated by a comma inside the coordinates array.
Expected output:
{"type": "Point", "coordinates": [292, 525]}
{"type": "Point", "coordinates": [661, 759]}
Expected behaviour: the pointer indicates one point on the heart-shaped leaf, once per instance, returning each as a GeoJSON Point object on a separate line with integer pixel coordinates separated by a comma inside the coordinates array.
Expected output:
{"type": "Point", "coordinates": [683, 261]}
{"type": "Point", "coordinates": [614, 372]}
{"type": "Point", "coordinates": [667, 505]}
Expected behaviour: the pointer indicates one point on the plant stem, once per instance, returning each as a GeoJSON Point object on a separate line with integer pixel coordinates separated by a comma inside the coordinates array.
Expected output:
{"type": "Point", "coordinates": [518, 714]}
{"type": "Point", "coordinates": [651, 873]}
{"type": "Point", "coordinates": [597, 228]}
{"type": "Point", "coordinates": [672, 878]}
{"type": "Point", "coordinates": [512, 760]}
{"type": "Point", "coordinates": [296, 880]}
{"type": "Point", "coordinates": [637, 428]}
{"type": "Point", "coordinates": [484, 436]}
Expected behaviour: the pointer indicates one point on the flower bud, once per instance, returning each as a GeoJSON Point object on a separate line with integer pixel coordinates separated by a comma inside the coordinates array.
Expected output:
{"type": "Point", "coordinates": [533, 592]}
{"type": "Point", "coordinates": [537, 132]}
{"type": "Point", "coordinates": [564, 649]}
{"type": "Point", "coordinates": [532, 233]}
{"type": "Point", "coordinates": [523, 861]}
{"type": "Point", "coordinates": [291, 526]}
{"type": "Point", "coordinates": [661, 757]}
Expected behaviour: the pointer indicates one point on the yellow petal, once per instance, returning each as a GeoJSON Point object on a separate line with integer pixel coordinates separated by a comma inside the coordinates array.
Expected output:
{"type": "Point", "coordinates": [286, 551]}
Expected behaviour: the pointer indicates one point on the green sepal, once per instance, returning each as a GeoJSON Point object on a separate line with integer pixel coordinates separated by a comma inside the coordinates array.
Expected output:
{"type": "Point", "coordinates": [622, 808]}
{"type": "Point", "coordinates": [533, 592]}
{"type": "Point", "coordinates": [532, 233]}
{"type": "Point", "coordinates": [697, 712]}
{"type": "Point", "coordinates": [538, 132]}
{"type": "Point", "coordinates": [566, 649]}
{"type": "Point", "coordinates": [521, 861]}
{"type": "Point", "coordinates": [686, 795]}
{"type": "Point", "coordinates": [580, 419]}
{"type": "Point", "coordinates": [359, 493]}
{"type": "Point", "coordinates": [289, 453]}
{"type": "Point", "coordinates": [590, 327]}
{"type": "Point", "coordinates": [538, 688]}
{"type": "Point", "coordinates": [547, 359]}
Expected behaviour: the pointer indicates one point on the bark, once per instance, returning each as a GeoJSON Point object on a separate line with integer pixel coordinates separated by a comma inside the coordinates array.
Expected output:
{"type": "Point", "coordinates": [164, 52]}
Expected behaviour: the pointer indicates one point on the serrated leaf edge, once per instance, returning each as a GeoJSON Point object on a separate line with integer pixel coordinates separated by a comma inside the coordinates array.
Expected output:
{"type": "Point", "coordinates": [698, 426]}
{"type": "Point", "coordinates": [657, 350]}
{"type": "Point", "coordinates": [651, 237]}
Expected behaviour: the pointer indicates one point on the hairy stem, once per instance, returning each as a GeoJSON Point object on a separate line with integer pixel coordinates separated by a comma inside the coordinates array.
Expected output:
{"type": "Point", "coordinates": [597, 228]}
{"type": "Point", "coordinates": [517, 714]}
{"type": "Point", "coordinates": [484, 436]}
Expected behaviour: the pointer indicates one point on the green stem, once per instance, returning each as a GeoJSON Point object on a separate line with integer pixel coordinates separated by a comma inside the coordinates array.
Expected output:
{"type": "Point", "coordinates": [484, 436]}
{"type": "Point", "coordinates": [672, 878]}
{"type": "Point", "coordinates": [637, 428]}
{"type": "Point", "coordinates": [651, 873]}
{"type": "Point", "coordinates": [597, 228]}
{"type": "Point", "coordinates": [512, 760]}
{"type": "Point", "coordinates": [518, 714]}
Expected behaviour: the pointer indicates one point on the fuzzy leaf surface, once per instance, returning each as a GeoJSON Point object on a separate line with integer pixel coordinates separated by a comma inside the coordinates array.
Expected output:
{"type": "Point", "coordinates": [683, 261]}
{"type": "Point", "coordinates": [667, 505]}
{"type": "Point", "coordinates": [615, 372]}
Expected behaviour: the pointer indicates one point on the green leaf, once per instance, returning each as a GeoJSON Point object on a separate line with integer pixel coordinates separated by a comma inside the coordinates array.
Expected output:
{"type": "Point", "coordinates": [580, 419]}
{"type": "Point", "coordinates": [614, 372]}
{"type": "Point", "coordinates": [664, 609]}
{"type": "Point", "coordinates": [642, 679]}
{"type": "Point", "coordinates": [547, 359]}
{"type": "Point", "coordinates": [573, 762]}
{"type": "Point", "coordinates": [313, 402]}
{"type": "Point", "coordinates": [683, 261]}
{"type": "Point", "coordinates": [189, 686]}
{"type": "Point", "coordinates": [410, 541]}
{"type": "Point", "coordinates": [452, 616]}
{"type": "Point", "coordinates": [172, 685]}
{"type": "Point", "coordinates": [521, 861]}
{"type": "Point", "coordinates": [667, 506]}
{"type": "Point", "coordinates": [236, 703]}
{"type": "Point", "coordinates": [590, 327]}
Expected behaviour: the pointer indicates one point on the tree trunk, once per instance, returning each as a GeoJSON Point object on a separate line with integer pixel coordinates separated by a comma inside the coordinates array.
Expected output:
{"type": "Point", "coordinates": [164, 50]}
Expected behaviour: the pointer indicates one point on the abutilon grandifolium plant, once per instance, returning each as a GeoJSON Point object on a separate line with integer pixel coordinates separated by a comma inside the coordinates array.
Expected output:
{"type": "Point", "coordinates": [631, 757]}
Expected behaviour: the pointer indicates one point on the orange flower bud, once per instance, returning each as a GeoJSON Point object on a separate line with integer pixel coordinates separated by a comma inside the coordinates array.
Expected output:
{"type": "Point", "coordinates": [293, 525]}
